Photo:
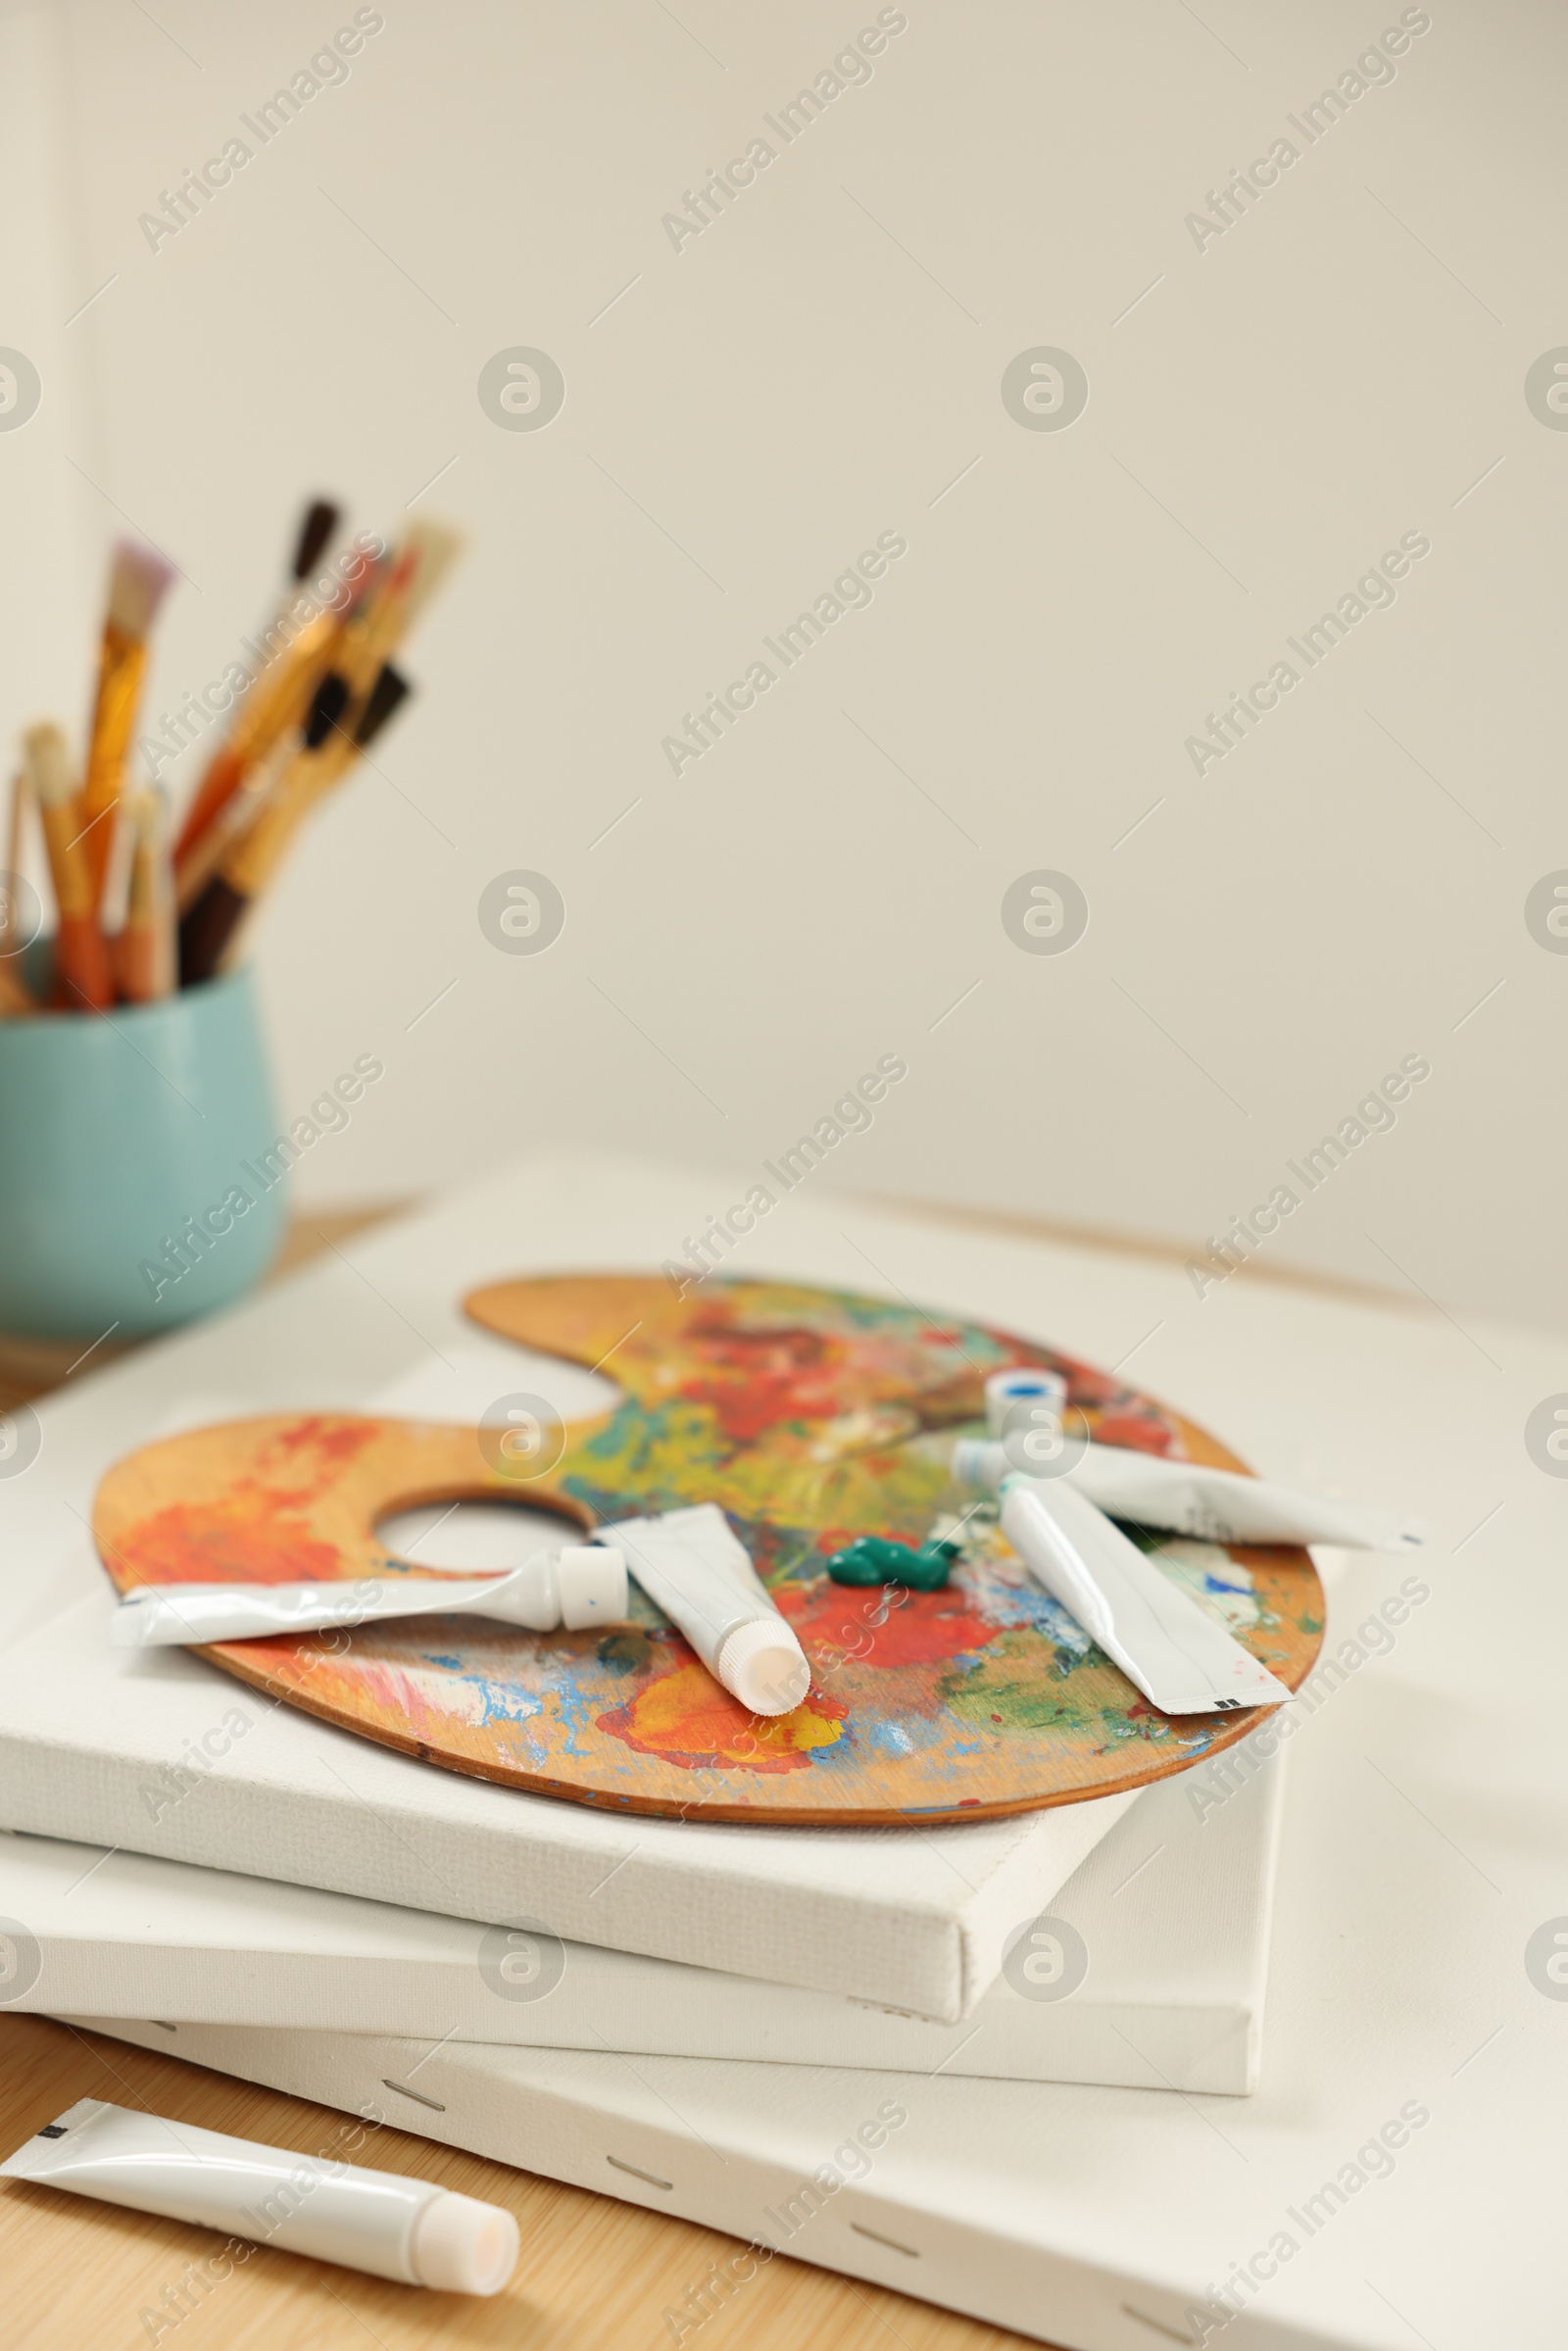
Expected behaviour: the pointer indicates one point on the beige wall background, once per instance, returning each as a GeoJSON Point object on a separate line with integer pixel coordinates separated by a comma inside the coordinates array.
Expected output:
{"type": "Point", "coordinates": [1267, 414]}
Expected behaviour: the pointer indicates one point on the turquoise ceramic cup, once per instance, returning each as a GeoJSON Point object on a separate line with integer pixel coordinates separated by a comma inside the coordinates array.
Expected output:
{"type": "Point", "coordinates": [132, 1187]}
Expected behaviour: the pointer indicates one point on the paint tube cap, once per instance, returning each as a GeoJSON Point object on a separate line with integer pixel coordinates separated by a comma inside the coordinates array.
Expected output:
{"type": "Point", "coordinates": [590, 1578]}
{"type": "Point", "coordinates": [764, 1666]}
{"type": "Point", "coordinates": [1021, 1382]}
{"type": "Point", "coordinates": [462, 2246]}
{"type": "Point", "coordinates": [977, 1463]}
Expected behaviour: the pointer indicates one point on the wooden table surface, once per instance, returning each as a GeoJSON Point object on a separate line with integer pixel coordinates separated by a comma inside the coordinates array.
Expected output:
{"type": "Point", "coordinates": [595, 2274]}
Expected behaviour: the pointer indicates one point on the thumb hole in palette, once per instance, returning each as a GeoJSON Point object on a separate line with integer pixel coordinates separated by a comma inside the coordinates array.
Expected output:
{"type": "Point", "coordinates": [473, 1538]}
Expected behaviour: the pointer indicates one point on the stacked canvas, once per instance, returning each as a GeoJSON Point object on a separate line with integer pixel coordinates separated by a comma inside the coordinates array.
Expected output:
{"type": "Point", "coordinates": [161, 1752]}
{"type": "Point", "coordinates": [1146, 1969]}
{"type": "Point", "coordinates": [207, 1872]}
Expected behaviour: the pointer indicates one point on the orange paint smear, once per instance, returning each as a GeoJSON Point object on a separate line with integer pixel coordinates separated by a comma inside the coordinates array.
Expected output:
{"type": "Point", "coordinates": [256, 1533]}
{"type": "Point", "coordinates": [252, 1535]}
{"type": "Point", "coordinates": [688, 1718]}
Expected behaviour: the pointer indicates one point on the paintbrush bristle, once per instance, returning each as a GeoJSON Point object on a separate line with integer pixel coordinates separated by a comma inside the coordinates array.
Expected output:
{"type": "Point", "coordinates": [437, 546]}
{"type": "Point", "coordinates": [48, 764]}
{"type": "Point", "coordinates": [138, 579]}
{"type": "Point", "coordinates": [145, 810]}
{"type": "Point", "coordinates": [321, 521]}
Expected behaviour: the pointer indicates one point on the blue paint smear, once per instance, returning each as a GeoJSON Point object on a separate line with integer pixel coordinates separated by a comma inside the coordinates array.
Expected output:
{"type": "Point", "coordinates": [503, 1702]}
{"type": "Point", "coordinates": [1015, 1607]}
{"type": "Point", "coordinates": [573, 1704]}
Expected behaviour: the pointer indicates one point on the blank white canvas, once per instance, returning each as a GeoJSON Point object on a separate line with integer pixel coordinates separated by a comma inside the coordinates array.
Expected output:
{"type": "Point", "coordinates": [1171, 1912]}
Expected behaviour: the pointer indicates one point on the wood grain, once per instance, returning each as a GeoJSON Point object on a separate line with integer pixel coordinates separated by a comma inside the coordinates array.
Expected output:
{"type": "Point", "coordinates": [595, 2274]}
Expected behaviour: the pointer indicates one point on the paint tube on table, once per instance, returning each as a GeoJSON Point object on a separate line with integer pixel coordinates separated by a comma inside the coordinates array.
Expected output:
{"type": "Point", "coordinates": [410, 2229]}
{"type": "Point", "coordinates": [1179, 1657]}
{"type": "Point", "coordinates": [1185, 1497]}
{"type": "Point", "coordinates": [692, 1568]}
{"type": "Point", "coordinates": [579, 1587]}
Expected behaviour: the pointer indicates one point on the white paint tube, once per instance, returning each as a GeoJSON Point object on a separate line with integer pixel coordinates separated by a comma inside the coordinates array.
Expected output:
{"type": "Point", "coordinates": [1212, 1505]}
{"type": "Point", "coordinates": [579, 1587]}
{"type": "Point", "coordinates": [1179, 1657]}
{"type": "Point", "coordinates": [692, 1567]}
{"type": "Point", "coordinates": [392, 2227]}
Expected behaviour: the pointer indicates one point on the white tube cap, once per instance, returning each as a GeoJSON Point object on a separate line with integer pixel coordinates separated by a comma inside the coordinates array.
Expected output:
{"type": "Point", "coordinates": [591, 1579]}
{"type": "Point", "coordinates": [1022, 1381]}
{"type": "Point", "coordinates": [764, 1666]}
{"type": "Point", "coordinates": [462, 2246]}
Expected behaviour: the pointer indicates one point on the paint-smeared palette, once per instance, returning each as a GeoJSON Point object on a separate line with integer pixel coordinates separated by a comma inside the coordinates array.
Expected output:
{"type": "Point", "coordinates": [810, 1416]}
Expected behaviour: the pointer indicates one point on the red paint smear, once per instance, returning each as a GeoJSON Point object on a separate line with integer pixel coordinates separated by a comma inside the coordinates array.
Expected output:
{"type": "Point", "coordinates": [336, 1443]}
{"type": "Point", "coordinates": [928, 1627]}
{"type": "Point", "coordinates": [253, 1536]}
{"type": "Point", "coordinates": [1140, 1435]}
{"type": "Point", "coordinates": [753, 1380]}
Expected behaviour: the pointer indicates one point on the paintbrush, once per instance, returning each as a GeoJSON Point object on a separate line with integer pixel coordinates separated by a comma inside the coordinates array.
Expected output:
{"type": "Point", "coordinates": [137, 582]}
{"type": "Point", "coordinates": [278, 700]}
{"type": "Point", "coordinates": [209, 929]}
{"type": "Point", "coordinates": [235, 815]}
{"type": "Point", "coordinates": [145, 948]}
{"type": "Point", "coordinates": [81, 955]}
{"type": "Point", "coordinates": [352, 705]}
{"type": "Point", "coordinates": [413, 572]}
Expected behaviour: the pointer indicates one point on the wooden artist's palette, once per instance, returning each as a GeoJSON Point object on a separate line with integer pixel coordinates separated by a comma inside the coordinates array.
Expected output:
{"type": "Point", "coordinates": [809, 1415]}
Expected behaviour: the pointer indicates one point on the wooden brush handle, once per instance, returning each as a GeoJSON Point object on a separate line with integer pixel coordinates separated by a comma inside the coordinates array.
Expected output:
{"type": "Point", "coordinates": [275, 706]}
{"type": "Point", "coordinates": [253, 861]}
{"type": "Point", "coordinates": [14, 997]}
{"type": "Point", "coordinates": [81, 957]}
{"type": "Point", "coordinates": [120, 665]}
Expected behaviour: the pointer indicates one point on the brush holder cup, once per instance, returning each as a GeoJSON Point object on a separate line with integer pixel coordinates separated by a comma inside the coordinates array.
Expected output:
{"type": "Point", "coordinates": [135, 1191]}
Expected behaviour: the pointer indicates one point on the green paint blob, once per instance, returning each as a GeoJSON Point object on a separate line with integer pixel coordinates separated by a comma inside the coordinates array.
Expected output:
{"type": "Point", "coordinates": [876, 1559]}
